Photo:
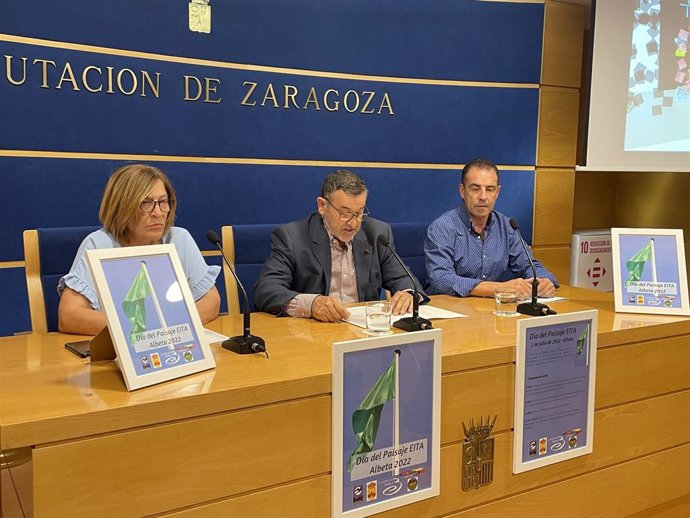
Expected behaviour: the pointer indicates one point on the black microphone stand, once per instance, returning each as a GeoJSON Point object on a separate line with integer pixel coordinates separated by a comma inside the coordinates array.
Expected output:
{"type": "Point", "coordinates": [415, 322]}
{"type": "Point", "coordinates": [247, 343]}
{"type": "Point", "coordinates": [533, 308]}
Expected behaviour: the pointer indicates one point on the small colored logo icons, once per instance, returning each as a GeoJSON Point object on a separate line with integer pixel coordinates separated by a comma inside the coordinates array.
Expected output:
{"type": "Point", "coordinates": [372, 490]}
{"type": "Point", "coordinates": [358, 494]}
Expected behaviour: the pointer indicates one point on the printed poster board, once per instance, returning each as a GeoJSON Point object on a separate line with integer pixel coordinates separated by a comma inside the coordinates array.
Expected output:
{"type": "Point", "coordinates": [386, 422]}
{"type": "Point", "coordinates": [555, 370]}
{"type": "Point", "coordinates": [152, 319]}
{"type": "Point", "coordinates": [649, 271]}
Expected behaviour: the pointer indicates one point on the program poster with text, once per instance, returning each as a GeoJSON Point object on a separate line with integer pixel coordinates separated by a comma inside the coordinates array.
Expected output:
{"type": "Point", "coordinates": [386, 422]}
{"type": "Point", "coordinates": [554, 389]}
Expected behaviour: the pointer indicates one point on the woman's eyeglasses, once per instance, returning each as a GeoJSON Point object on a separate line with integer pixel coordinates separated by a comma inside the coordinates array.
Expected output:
{"type": "Point", "coordinates": [148, 206]}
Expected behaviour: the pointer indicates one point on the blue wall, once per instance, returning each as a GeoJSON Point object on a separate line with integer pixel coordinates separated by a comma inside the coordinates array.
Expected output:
{"type": "Point", "coordinates": [235, 161]}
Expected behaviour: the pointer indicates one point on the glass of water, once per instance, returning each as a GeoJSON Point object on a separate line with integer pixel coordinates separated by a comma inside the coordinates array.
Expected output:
{"type": "Point", "coordinates": [378, 318]}
{"type": "Point", "coordinates": [506, 302]}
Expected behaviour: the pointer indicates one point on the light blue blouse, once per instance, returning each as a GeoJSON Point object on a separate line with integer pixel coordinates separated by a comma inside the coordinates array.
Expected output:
{"type": "Point", "coordinates": [200, 276]}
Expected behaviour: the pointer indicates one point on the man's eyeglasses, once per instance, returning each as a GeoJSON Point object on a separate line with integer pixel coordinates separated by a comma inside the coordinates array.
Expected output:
{"type": "Point", "coordinates": [148, 206]}
{"type": "Point", "coordinates": [347, 216]}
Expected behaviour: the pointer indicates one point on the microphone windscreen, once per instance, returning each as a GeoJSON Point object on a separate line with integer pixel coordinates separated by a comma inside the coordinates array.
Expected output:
{"type": "Point", "coordinates": [514, 224]}
{"type": "Point", "coordinates": [212, 237]}
{"type": "Point", "coordinates": [383, 240]}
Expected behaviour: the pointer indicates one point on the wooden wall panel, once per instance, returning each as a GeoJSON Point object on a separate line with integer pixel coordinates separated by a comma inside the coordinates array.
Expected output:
{"type": "Point", "coordinates": [287, 442]}
{"type": "Point", "coordinates": [673, 509]}
{"type": "Point", "coordinates": [613, 492]}
{"type": "Point", "coordinates": [553, 206]}
{"type": "Point", "coordinates": [299, 500]}
{"type": "Point", "coordinates": [652, 369]}
{"type": "Point", "coordinates": [632, 199]}
{"type": "Point", "coordinates": [613, 445]}
{"type": "Point", "coordinates": [655, 200]}
{"type": "Point", "coordinates": [564, 26]}
{"type": "Point", "coordinates": [594, 204]}
{"type": "Point", "coordinates": [557, 137]}
{"type": "Point", "coordinates": [558, 120]}
{"type": "Point", "coordinates": [662, 416]}
{"type": "Point", "coordinates": [556, 259]}
{"type": "Point", "coordinates": [472, 394]}
{"type": "Point", "coordinates": [649, 368]}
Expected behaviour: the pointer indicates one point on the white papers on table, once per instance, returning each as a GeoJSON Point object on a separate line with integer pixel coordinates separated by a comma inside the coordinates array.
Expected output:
{"type": "Point", "coordinates": [547, 300]}
{"type": "Point", "coordinates": [358, 315]}
{"type": "Point", "coordinates": [212, 337]}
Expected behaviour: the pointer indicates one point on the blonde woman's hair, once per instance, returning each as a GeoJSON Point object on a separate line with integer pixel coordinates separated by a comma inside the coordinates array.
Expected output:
{"type": "Point", "coordinates": [127, 187]}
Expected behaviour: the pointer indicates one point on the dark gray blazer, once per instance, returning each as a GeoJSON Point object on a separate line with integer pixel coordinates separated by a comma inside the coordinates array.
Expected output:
{"type": "Point", "coordinates": [300, 262]}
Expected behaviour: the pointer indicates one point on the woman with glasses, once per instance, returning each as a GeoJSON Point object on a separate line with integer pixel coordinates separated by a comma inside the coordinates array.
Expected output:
{"type": "Point", "coordinates": [138, 208]}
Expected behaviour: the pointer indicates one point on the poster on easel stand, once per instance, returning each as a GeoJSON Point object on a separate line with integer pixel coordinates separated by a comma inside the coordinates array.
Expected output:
{"type": "Point", "coordinates": [386, 422]}
{"type": "Point", "coordinates": [649, 272]}
{"type": "Point", "coordinates": [154, 332]}
{"type": "Point", "coordinates": [555, 367]}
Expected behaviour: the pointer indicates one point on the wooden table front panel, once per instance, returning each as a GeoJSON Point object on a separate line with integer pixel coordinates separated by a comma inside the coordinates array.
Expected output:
{"type": "Point", "coordinates": [253, 435]}
{"type": "Point", "coordinates": [166, 467]}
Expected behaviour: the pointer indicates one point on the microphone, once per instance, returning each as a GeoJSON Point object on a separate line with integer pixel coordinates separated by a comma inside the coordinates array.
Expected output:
{"type": "Point", "coordinates": [534, 308]}
{"type": "Point", "coordinates": [247, 343]}
{"type": "Point", "coordinates": [415, 322]}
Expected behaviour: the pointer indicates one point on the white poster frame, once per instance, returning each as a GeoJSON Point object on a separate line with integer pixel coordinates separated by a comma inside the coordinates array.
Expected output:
{"type": "Point", "coordinates": [340, 350]}
{"type": "Point", "coordinates": [620, 277]}
{"type": "Point", "coordinates": [123, 351]}
{"type": "Point", "coordinates": [524, 326]}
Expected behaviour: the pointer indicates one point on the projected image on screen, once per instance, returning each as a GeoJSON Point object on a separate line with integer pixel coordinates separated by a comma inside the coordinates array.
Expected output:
{"type": "Point", "coordinates": [658, 117]}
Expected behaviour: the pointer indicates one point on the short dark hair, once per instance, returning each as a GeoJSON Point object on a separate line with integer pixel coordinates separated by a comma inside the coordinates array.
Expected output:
{"type": "Point", "coordinates": [343, 180]}
{"type": "Point", "coordinates": [480, 163]}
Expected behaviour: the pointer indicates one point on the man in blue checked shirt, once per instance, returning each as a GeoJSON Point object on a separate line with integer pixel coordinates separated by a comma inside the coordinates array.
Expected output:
{"type": "Point", "coordinates": [472, 250]}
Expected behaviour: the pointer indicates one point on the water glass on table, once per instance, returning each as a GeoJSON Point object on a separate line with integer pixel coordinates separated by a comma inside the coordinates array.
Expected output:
{"type": "Point", "coordinates": [378, 318]}
{"type": "Point", "coordinates": [506, 300]}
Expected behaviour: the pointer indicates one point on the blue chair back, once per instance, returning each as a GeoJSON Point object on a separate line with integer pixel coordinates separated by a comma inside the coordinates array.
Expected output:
{"type": "Point", "coordinates": [49, 254]}
{"type": "Point", "coordinates": [247, 247]}
{"type": "Point", "coordinates": [409, 243]}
